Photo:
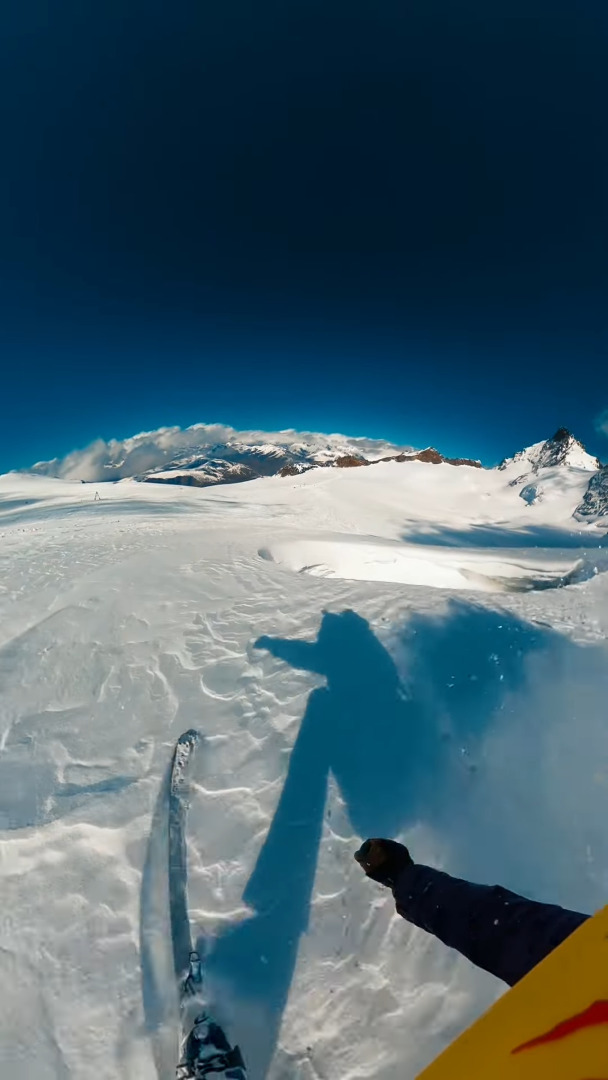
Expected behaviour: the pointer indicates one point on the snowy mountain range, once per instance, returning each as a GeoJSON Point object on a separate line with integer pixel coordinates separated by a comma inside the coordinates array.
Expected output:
{"type": "Point", "coordinates": [206, 455]}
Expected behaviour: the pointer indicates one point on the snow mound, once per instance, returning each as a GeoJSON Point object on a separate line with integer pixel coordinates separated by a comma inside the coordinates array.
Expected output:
{"type": "Point", "coordinates": [360, 559]}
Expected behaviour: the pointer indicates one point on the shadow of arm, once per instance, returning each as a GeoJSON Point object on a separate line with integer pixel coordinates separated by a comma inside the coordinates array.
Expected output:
{"type": "Point", "coordinates": [299, 654]}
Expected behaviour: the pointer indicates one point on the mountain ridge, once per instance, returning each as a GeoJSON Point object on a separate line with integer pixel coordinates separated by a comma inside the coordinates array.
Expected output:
{"type": "Point", "coordinates": [207, 455]}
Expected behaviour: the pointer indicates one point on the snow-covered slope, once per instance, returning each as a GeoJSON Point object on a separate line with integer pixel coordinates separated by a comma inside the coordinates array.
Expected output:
{"type": "Point", "coordinates": [365, 651]}
{"type": "Point", "coordinates": [545, 471]}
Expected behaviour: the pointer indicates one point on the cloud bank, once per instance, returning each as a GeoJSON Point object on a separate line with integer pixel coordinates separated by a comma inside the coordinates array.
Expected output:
{"type": "Point", "coordinates": [602, 423]}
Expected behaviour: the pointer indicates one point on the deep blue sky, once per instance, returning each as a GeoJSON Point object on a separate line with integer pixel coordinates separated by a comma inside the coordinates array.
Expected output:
{"type": "Point", "coordinates": [383, 218]}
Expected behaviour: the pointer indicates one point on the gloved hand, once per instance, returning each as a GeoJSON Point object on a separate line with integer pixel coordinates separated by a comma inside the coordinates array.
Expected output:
{"type": "Point", "coordinates": [383, 860]}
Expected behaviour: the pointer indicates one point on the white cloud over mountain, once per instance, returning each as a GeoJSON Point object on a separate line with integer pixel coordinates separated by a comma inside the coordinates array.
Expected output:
{"type": "Point", "coordinates": [174, 447]}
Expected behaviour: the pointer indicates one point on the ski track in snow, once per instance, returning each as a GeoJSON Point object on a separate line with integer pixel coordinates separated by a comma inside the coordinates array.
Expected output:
{"type": "Point", "coordinates": [350, 646]}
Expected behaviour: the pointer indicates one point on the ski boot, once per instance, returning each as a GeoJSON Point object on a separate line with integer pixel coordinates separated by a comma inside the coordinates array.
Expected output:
{"type": "Point", "coordinates": [207, 1053]}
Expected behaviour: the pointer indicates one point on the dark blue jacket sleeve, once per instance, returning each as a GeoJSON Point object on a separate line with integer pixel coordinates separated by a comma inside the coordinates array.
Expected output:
{"type": "Point", "coordinates": [497, 930]}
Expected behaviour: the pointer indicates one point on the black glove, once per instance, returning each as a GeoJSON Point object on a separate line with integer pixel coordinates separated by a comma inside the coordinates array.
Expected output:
{"type": "Point", "coordinates": [383, 860]}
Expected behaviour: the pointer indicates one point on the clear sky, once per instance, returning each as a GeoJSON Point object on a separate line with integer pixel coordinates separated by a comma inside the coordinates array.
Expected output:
{"type": "Point", "coordinates": [378, 218]}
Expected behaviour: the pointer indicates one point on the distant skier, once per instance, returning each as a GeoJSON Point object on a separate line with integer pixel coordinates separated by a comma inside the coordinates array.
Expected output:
{"type": "Point", "coordinates": [497, 930]}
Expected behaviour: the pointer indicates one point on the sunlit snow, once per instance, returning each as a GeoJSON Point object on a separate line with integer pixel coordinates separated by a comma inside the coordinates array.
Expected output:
{"type": "Point", "coordinates": [408, 650]}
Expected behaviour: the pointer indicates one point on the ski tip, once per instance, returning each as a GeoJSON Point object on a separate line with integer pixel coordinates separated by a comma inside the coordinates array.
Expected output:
{"type": "Point", "coordinates": [190, 736]}
{"type": "Point", "coordinates": [182, 754]}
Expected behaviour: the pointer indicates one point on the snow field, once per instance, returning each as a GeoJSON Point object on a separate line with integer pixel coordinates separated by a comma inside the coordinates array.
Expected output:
{"type": "Point", "coordinates": [468, 723]}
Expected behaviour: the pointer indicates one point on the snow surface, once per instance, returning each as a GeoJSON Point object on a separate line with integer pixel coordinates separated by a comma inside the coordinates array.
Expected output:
{"type": "Point", "coordinates": [421, 678]}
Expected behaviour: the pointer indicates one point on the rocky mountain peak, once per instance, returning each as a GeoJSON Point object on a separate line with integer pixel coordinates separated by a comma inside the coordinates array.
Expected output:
{"type": "Point", "coordinates": [595, 502]}
{"type": "Point", "coordinates": [561, 449]}
{"type": "Point", "coordinates": [433, 457]}
{"type": "Point", "coordinates": [564, 449]}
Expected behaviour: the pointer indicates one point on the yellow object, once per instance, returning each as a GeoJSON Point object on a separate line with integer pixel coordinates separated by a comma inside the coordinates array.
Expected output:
{"type": "Point", "coordinates": [553, 1025]}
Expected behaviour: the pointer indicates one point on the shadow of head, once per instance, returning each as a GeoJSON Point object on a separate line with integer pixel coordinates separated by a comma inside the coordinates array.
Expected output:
{"type": "Point", "coordinates": [341, 639]}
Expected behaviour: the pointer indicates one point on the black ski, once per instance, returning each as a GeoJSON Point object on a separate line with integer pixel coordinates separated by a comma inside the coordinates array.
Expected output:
{"type": "Point", "coordinates": [179, 790]}
{"type": "Point", "coordinates": [206, 1051]}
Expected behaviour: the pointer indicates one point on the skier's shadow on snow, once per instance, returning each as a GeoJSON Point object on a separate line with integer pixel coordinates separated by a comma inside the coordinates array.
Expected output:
{"type": "Point", "coordinates": [388, 750]}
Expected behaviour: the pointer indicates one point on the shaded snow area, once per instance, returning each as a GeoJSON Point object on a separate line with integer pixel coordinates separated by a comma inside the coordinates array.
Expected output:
{"type": "Point", "coordinates": [410, 650]}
